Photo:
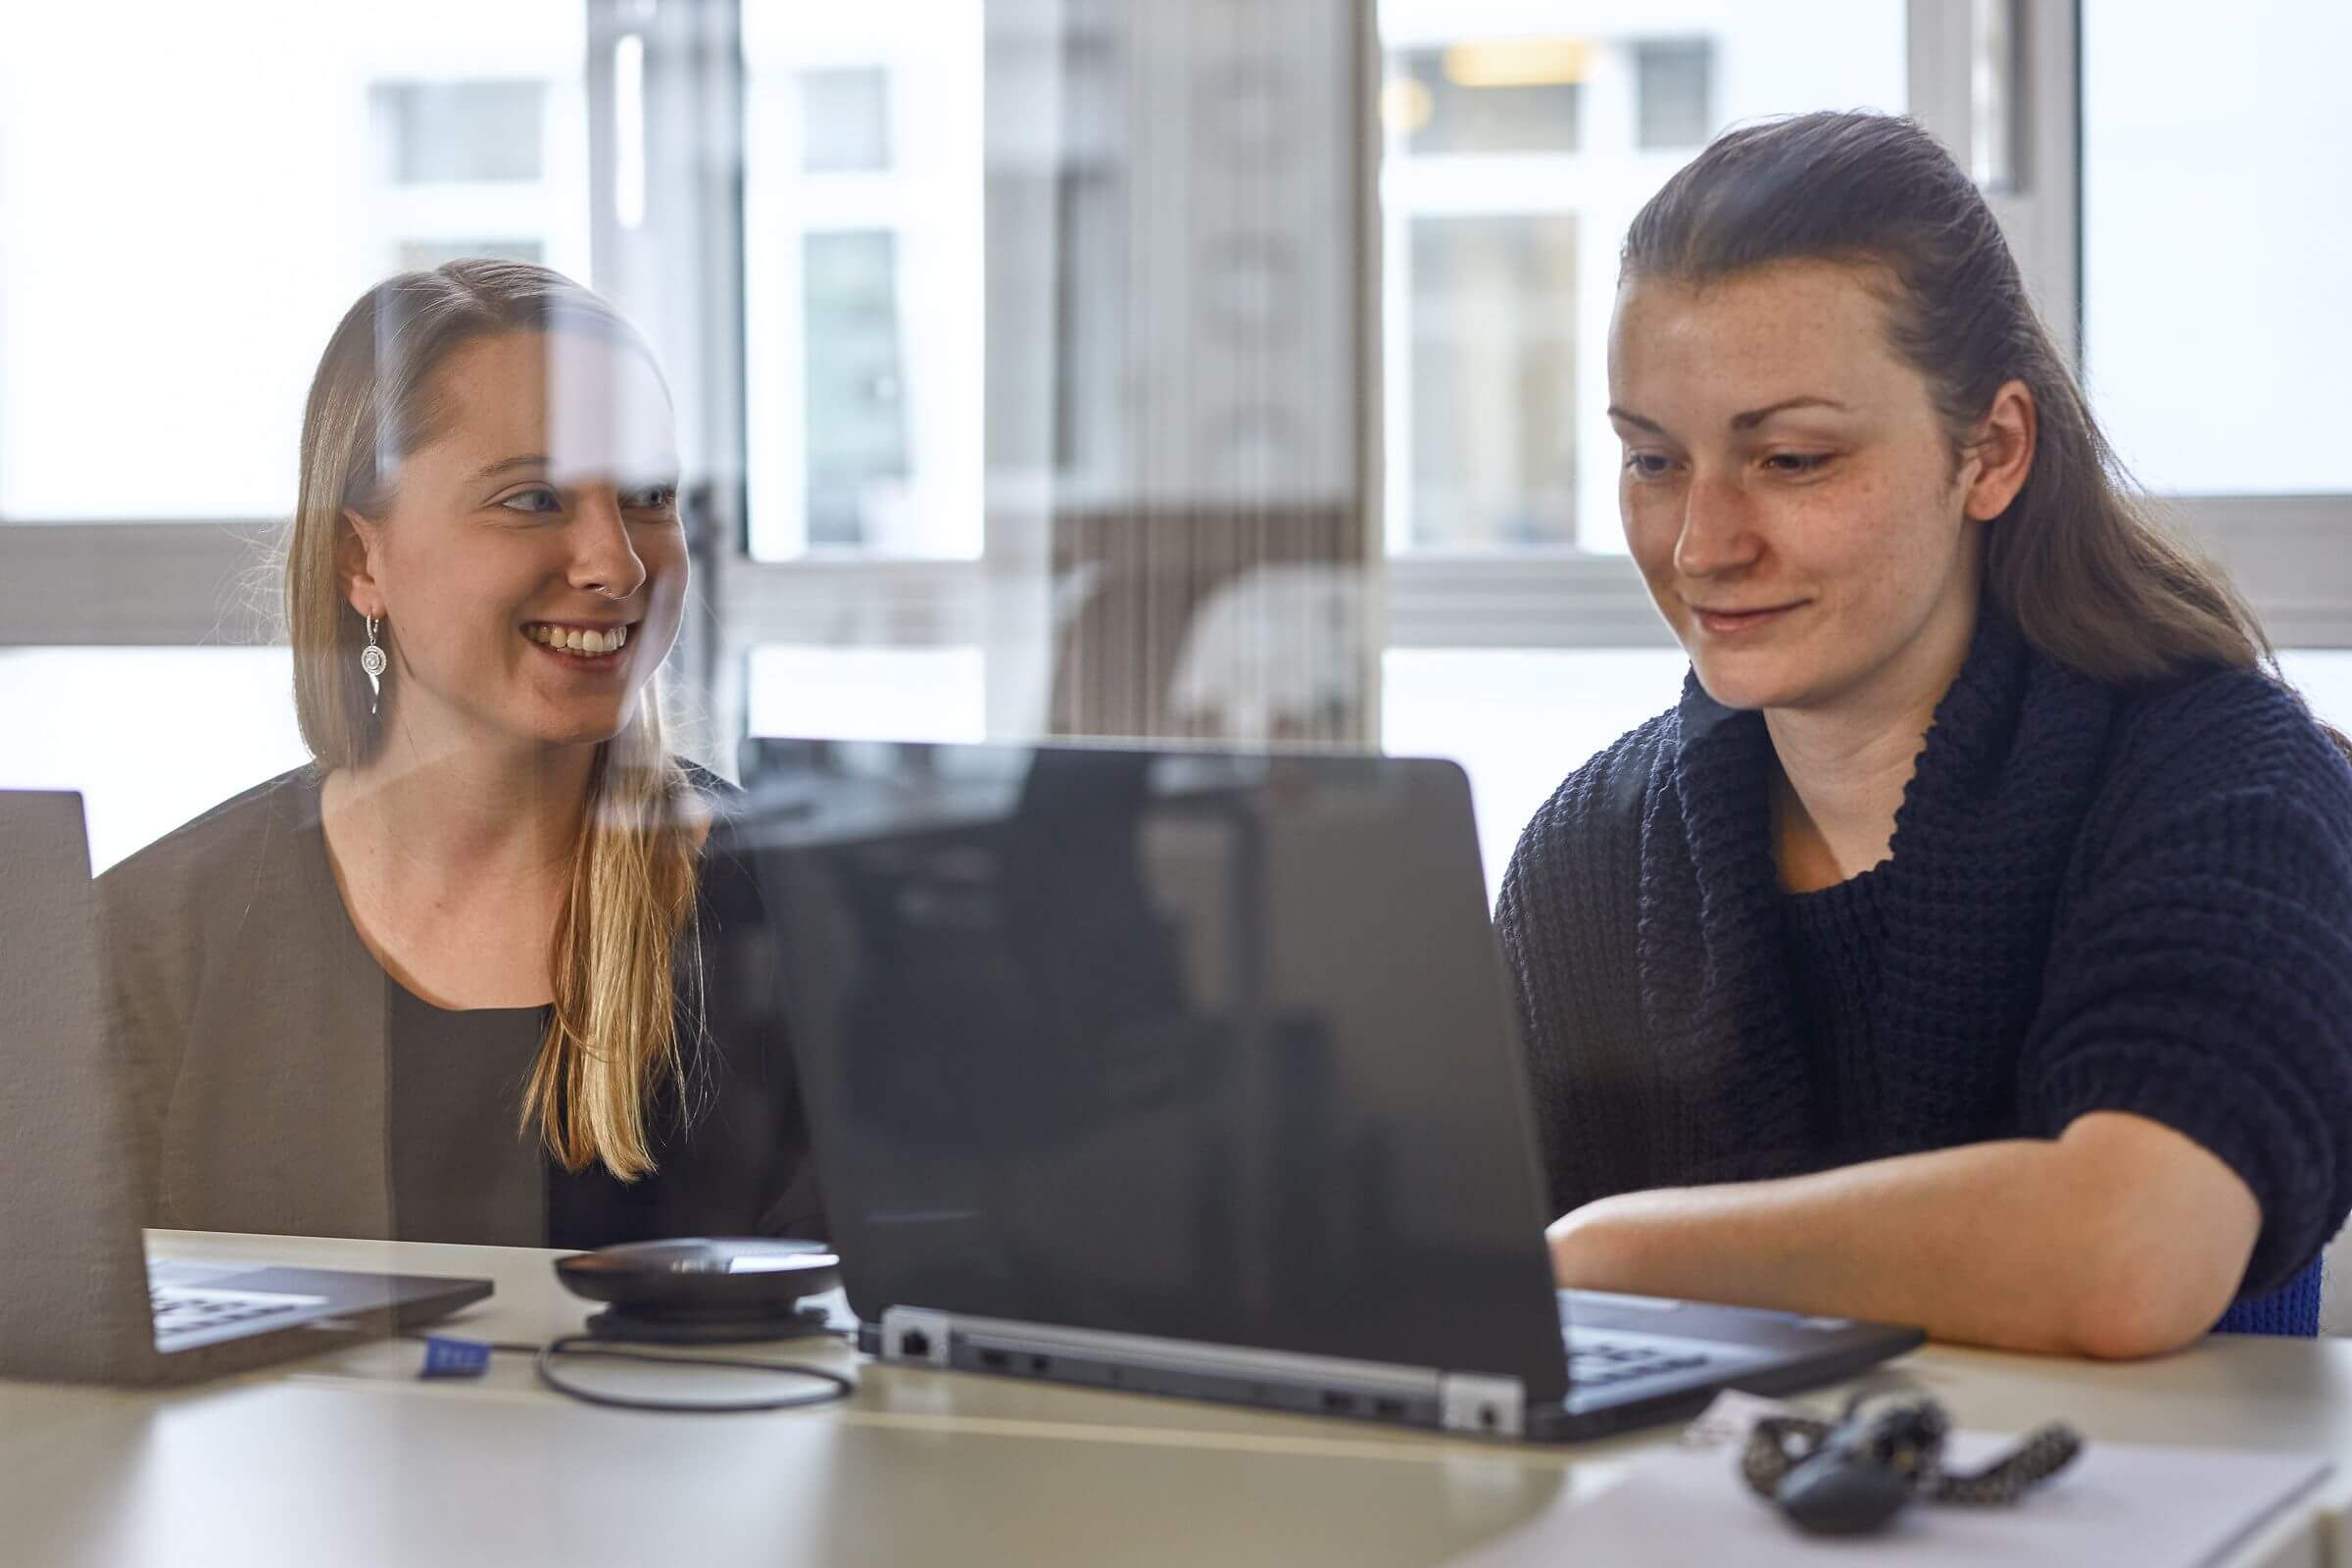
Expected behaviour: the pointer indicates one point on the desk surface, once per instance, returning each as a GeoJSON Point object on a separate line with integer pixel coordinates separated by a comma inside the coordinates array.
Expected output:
{"type": "Point", "coordinates": [347, 1458]}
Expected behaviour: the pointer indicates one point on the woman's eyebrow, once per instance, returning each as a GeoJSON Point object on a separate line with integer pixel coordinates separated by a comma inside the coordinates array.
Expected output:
{"type": "Point", "coordinates": [1747, 421]}
{"type": "Point", "coordinates": [527, 459]}
{"type": "Point", "coordinates": [1755, 417]}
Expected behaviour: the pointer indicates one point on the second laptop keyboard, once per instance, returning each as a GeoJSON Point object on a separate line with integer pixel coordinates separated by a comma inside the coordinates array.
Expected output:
{"type": "Point", "coordinates": [1598, 1363]}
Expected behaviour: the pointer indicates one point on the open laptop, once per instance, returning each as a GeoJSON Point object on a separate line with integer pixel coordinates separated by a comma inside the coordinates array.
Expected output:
{"type": "Point", "coordinates": [1195, 1073]}
{"type": "Point", "coordinates": [79, 1298]}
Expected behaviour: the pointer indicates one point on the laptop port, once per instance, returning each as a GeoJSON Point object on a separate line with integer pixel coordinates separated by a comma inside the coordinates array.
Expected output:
{"type": "Point", "coordinates": [1038, 1364]}
{"type": "Point", "coordinates": [1339, 1402]}
{"type": "Point", "coordinates": [1389, 1409]}
{"type": "Point", "coordinates": [914, 1342]}
{"type": "Point", "coordinates": [996, 1360]}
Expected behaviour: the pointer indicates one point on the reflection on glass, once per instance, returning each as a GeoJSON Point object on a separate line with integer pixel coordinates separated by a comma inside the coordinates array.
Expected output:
{"type": "Point", "coordinates": [418, 256]}
{"type": "Point", "coordinates": [1089, 286]}
{"type": "Point", "coordinates": [450, 132]}
{"type": "Point", "coordinates": [1503, 153]}
{"type": "Point", "coordinates": [1085, 1028]}
{"type": "Point", "coordinates": [1671, 85]}
{"type": "Point", "coordinates": [863, 304]}
{"type": "Point", "coordinates": [856, 414]}
{"type": "Point", "coordinates": [867, 693]}
{"type": "Point", "coordinates": [845, 119]}
{"type": "Point", "coordinates": [1993, 94]}
{"type": "Point", "coordinates": [1509, 96]}
{"type": "Point", "coordinates": [1493, 390]}
{"type": "Point", "coordinates": [1273, 652]}
{"type": "Point", "coordinates": [273, 160]}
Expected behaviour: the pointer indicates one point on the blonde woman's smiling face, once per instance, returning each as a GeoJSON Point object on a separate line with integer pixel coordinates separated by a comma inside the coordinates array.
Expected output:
{"type": "Point", "coordinates": [530, 566]}
{"type": "Point", "coordinates": [1788, 489]}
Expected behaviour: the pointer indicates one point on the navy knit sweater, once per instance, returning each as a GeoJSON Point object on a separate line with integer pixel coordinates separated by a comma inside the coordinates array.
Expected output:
{"type": "Point", "coordinates": [2095, 900]}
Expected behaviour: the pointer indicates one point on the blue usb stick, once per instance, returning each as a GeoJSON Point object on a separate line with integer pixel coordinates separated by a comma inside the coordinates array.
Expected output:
{"type": "Point", "coordinates": [448, 1357]}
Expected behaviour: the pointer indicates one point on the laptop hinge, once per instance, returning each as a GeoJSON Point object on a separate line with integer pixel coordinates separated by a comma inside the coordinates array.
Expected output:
{"type": "Point", "coordinates": [1479, 1403]}
{"type": "Point", "coordinates": [1148, 1364]}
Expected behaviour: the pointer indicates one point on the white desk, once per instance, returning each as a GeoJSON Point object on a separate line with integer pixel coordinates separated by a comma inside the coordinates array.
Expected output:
{"type": "Point", "coordinates": [346, 1458]}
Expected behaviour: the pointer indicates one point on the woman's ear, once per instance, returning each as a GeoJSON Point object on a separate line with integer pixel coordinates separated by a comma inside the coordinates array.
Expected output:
{"type": "Point", "coordinates": [355, 564]}
{"type": "Point", "coordinates": [2003, 448]}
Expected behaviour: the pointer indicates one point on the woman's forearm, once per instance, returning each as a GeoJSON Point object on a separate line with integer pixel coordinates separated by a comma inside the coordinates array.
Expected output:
{"type": "Point", "coordinates": [2120, 1238]}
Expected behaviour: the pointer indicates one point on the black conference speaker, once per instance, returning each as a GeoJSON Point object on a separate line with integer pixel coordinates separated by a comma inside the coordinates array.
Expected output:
{"type": "Point", "coordinates": [704, 1290]}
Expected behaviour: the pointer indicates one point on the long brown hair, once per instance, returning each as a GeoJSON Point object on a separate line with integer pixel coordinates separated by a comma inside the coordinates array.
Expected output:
{"type": "Point", "coordinates": [2078, 560]}
{"type": "Point", "coordinates": [614, 1030]}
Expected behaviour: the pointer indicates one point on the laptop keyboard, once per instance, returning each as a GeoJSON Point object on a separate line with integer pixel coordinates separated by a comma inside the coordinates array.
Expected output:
{"type": "Point", "coordinates": [186, 1309]}
{"type": "Point", "coordinates": [1595, 1364]}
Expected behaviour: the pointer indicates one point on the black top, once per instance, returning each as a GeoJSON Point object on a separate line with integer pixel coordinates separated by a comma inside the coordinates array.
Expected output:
{"type": "Point", "coordinates": [1831, 935]}
{"type": "Point", "coordinates": [460, 1174]}
{"type": "Point", "coordinates": [2095, 900]}
{"type": "Point", "coordinates": [406, 1125]}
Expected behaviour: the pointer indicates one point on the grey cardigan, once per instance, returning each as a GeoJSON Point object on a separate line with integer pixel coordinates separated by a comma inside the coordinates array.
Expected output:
{"type": "Point", "coordinates": [262, 1031]}
{"type": "Point", "coordinates": [256, 1021]}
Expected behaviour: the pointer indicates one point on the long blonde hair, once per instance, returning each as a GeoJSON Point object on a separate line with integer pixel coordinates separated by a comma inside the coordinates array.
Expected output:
{"type": "Point", "coordinates": [614, 958]}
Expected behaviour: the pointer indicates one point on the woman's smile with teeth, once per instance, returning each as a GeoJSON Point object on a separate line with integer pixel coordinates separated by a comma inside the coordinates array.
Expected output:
{"type": "Point", "coordinates": [584, 642]}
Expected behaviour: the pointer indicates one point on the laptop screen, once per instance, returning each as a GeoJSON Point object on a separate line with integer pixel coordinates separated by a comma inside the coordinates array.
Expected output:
{"type": "Point", "coordinates": [73, 1280]}
{"type": "Point", "coordinates": [1206, 1046]}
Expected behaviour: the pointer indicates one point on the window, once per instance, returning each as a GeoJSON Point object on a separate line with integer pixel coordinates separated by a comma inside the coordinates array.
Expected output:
{"type": "Point", "coordinates": [184, 218]}
{"type": "Point", "coordinates": [845, 120]}
{"type": "Point", "coordinates": [1493, 389]}
{"type": "Point", "coordinates": [1012, 304]}
{"type": "Point", "coordinates": [1670, 80]}
{"type": "Point", "coordinates": [150, 736]}
{"type": "Point", "coordinates": [1516, 95]}
{"type": "Point", "coordinates": [462, 132]}
{"type": "Point", "coordinates": [190, 197]}
{"type": "Point", "coordinates": [856, 409]}
{"type": "Point", "coordinates": [2215, 334]}
{"type": "Point", "coordinates": [1514, 161]}
{"type": "Point", "coordinates": [1519, 719]}
{"type": "Point", "coordinates": [2323, 675]}
{"type": "Point", "coordinates": [863, 274]}
{"type": "Point", "coordinates": [480, 166]}
{"type": "Point", "coordinates": [422, 256]}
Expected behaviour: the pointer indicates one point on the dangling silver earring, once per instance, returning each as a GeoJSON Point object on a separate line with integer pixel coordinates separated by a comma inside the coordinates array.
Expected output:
{"type": "Point", "coordinates": [372, 659]}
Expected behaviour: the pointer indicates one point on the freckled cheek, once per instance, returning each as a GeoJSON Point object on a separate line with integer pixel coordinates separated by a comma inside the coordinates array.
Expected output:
{"type": "Point", "coordinates": [1891, 546]}
{"type": "Point", "coordinates": [1849, 535]}
{"type": "Point", "coordinates": [454, 610]}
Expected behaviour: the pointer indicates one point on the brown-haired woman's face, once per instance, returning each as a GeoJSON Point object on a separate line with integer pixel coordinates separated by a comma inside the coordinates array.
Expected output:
{"type": "Point", "coordinates": [1789, 488]}
{"type": "Point", "coordinates": [531, 566]}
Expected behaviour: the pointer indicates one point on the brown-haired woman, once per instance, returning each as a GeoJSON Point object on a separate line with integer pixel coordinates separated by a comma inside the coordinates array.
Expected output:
{"type": "Point", "coordinates": [1972, 946]}
{"type": "Point", "coordinates": [482, 971]}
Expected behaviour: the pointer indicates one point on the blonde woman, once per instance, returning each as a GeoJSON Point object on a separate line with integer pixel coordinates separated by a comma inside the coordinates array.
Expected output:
{"type": "Point", "coordinates": [482, 971]}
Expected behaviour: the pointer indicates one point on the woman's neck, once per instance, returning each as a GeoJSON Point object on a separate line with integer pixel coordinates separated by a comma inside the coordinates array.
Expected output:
{"type": "Point", "coordinates": [1844, 768]}
{"type": "Point", "coordinates": [453, 862]}
{"type": "Point", "coordinates": [468, 809]}
{"type": "Point", "coordinates": [1835, 798]}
